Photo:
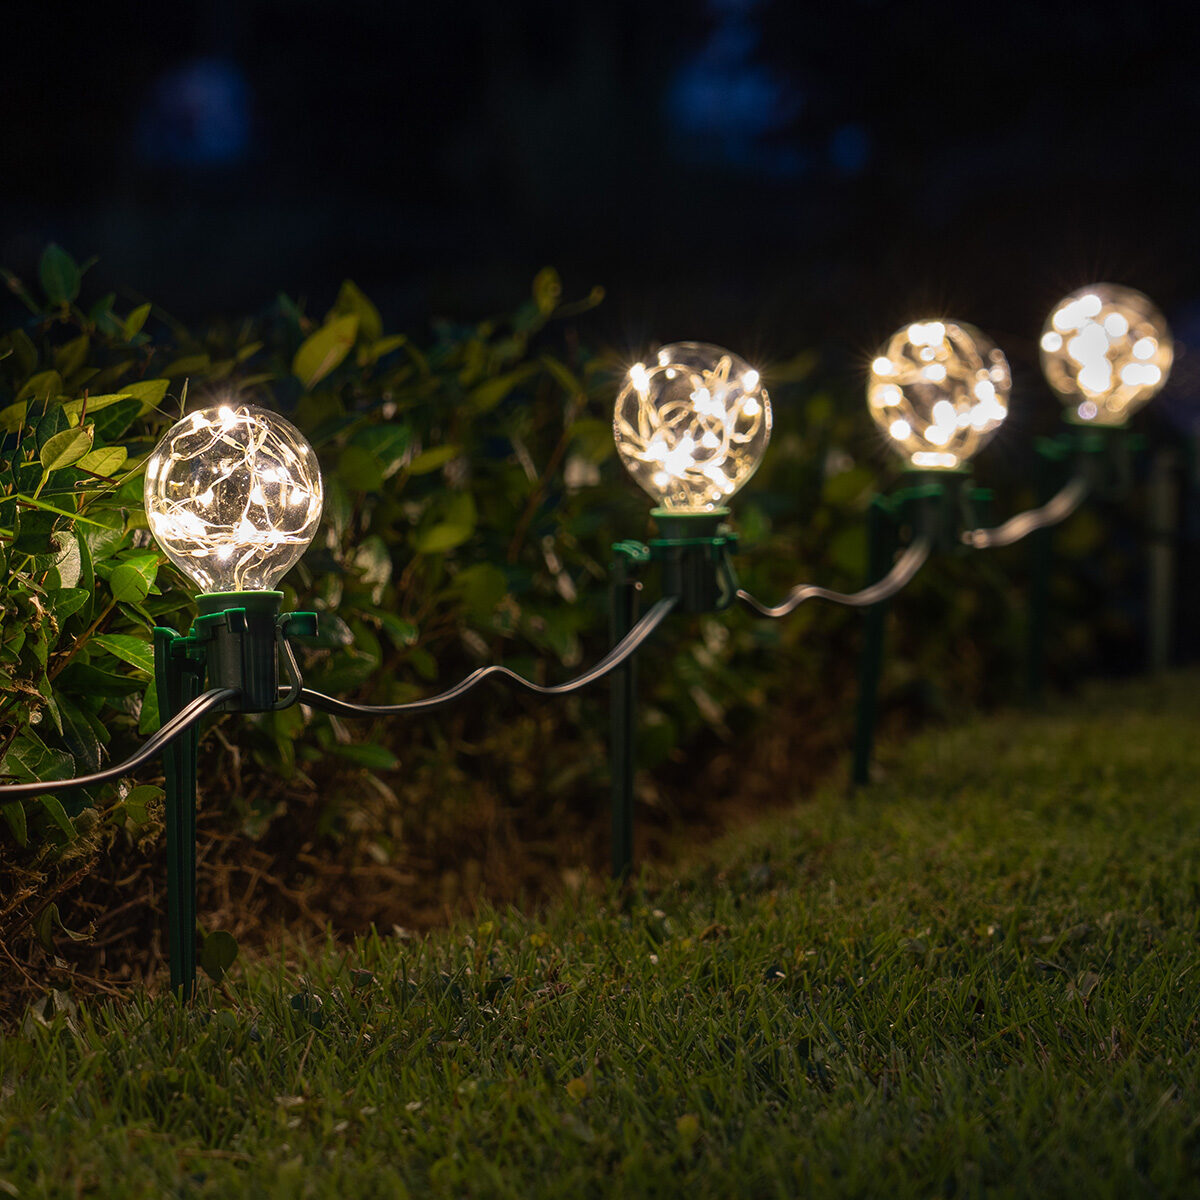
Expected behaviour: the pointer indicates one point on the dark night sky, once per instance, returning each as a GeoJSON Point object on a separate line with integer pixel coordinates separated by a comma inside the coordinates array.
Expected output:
{"type": "Point", "coordinates": [767, 175]}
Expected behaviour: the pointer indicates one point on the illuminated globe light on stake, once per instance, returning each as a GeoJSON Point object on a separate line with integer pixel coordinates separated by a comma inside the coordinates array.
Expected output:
{"type": "Point", "coordinates": [233, 496]}
{"type": "Point", "coordinates": [1106, 350]}
{"type": "Point", "coordinates": [939, 390]}
{"type": "Point", "coordinates": [692, 426]}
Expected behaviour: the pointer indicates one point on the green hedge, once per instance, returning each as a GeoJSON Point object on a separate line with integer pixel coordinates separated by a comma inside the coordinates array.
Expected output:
{"type": "Point", "coordinates": [472, 495]}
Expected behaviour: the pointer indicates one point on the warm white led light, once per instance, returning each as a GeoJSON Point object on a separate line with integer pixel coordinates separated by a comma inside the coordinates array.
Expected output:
{"type": "Point", "coordinates": [233, 496]}
{"type": "Point", "coordinates": [1106, 350]}
{"type": "Point", "coordinates": [692, 428]}
{"type": "Point", "coordinates": [939, 390]}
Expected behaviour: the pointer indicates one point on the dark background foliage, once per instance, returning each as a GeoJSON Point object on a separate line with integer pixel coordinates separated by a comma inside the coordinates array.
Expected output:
{"type": "Point", "coordinates": [758, 172]}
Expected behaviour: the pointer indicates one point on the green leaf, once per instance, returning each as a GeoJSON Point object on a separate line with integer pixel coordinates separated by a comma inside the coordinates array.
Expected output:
{"type": "Point", "coordinates": [67, 601]}
{"type": "Point", "coordinates": [104, 461]}
{"type": "Point", "coordinates": [132, 580]}
{"type": "Point", "coordinates": [387, 444]}
{"type": "Point", "coordinates": [431, 460]}
{"type": "Point", "coordinates": [547, 289]}
{"type": "Point", "coordinates": [66, 448]}
{"type": "Point", "coordinates": [848, 550]}
{"type": "Point", "coordinates": [102, 314]}
{"type": "Point", "coordinates": [30, 760]}
{"type": "Point", "coordinates": [373, 563]}
{"type": "Point", "coordinates": [66, 569]}
{"type": "Point", "coordinates": [137, 803]}
{"type": "Point", "coordinates": [376, 758]}
{"type": "Point", "coordinates": [593, 438]}
{"type": "Point", "coordinates": [102, 541]}
{"type": "Point", "coordinates": [218, 952]}
{"type": "Point", "coordinates": [423, 663]}
{"type": "Point", "coordinates": [565, 376]}
{"type": "Point", "coordinates": [442, 536]}
{"type": "Point", "coordinates": [74, 409]}
{"type": "Point", "coordinates": [135, 651]}
{"type": "Point", "coordinates": [24, 350]}
{"type": "Point", "coordinates": [53, 806]}
{"type": "Point", "coordinates": [36, 534]}
{"type": "Point", "coordinates": [41, 388]}
{"type": "Point", "coordinates": [80, 738]}
{"type": "Point", "coordinates": [59, 274]}
{"type": "Point", "coordinates": [12, 416]}
{"type": "Point", "coordinates": [351, 301]}
{"type": "Point", "coordinates": [845, 487]}
{"type": "Point", "coordinates": [150, 718]}
{"type": "Point", "coordinates": [70, 356]}
{"type": "Point", "coordinates": [83, 679]}
{"type": "Point", "coordinates": [114, 421]}
{"type": "Point", "coordinates": [14, 814]}
{"type": "Point", "coordinates": [149, 392]}
{"type": "Point", "coordinates": [48, 918]}
{"type": "Point", "coordinates": [482, 587]}
{"type": "Point", "coordinates": [380, 349]}
{"type": "Point", "coordinates": [324, 350]}
{"type": "Point", "coordinates": [487, 395]}
{"type": "Point", "coordinates": [360, 470]}
{"type": "Point", "coordinates": [135, 320]}
{"type": "Point", "coordinates": [402, 632]}
{"type": "Point", "coordinates": [190, 364]}
{"type": "Point", "coordinates": [52, 422]}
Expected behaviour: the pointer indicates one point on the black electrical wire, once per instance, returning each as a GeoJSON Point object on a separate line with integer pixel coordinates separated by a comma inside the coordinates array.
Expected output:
{"type": "Point", "coordinates": [906, 567]}
{"type": "Point", "coordinates": [627, 646]}
{"type": "Point", "coordinates": [1053, 512]}
{"type": "Point", "coordinates": [180, 722]}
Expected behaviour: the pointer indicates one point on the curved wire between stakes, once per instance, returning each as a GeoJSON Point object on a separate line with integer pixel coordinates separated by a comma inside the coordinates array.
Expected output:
{"type": "Point", "coordinates": [178, 724]}
{"type": "Point", "coordinates": [1053, 512]}
{"type": "Point", "coordinates": [907, 565]}
{"type": "Point", "coordinates": [627, 646]}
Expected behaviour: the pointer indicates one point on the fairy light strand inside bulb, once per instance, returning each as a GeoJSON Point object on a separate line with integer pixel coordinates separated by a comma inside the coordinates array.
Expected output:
{"type": "Point", "coordinates": [1106, 350]}
{"type": "Point", "coordinates": [692, 427]}
{"type": "Point", "coordinates": [233, 497]}
{"type": "Point", "coordinates": [938, 390]}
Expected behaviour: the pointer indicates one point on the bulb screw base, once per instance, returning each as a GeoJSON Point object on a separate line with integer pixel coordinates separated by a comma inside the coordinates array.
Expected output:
{"type": "Point", "coordinates": [239, 632]}
{"type": "Point", "coordinates": [940, 504]}
{"type": "Point", "coordinates": [237, 639]}
{"type": "Point", "coordinates": [694, 555]}
{"type": "Point", "coordinates": [1103, 454]}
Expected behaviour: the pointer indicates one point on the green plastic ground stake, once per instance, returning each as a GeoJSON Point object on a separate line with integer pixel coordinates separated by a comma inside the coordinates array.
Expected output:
{"type": "Point", "coordinates": [694, 557]}
{"type": "Point", "coordinates": [236, 640]}
{"type": "Point", "coordinates": [1105, 457]}
{"type": "Point", "coordinates": [694, 553]}
{"type": "Point", "coordinates": [622, 612]}
{"type": "Point", "coordinates": [1040, 560]}
{"type": "Point", "coordinates": [937, 505]}
{"type": "Point", "coordinates": [179, 673]}
{"type": "Point", "coordinates": [940, 505]}
{"type": "Point", "coordinates": [881, 546]}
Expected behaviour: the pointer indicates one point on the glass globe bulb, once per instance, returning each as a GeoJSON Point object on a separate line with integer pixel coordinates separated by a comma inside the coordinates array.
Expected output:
{"type": "Point", "coordinates": [939, 390]}
{"type": "Point", "coordinates": [233, 496]}
{"type": "Point", "coordinates": [1106, 350]}
{"type": "Point", "coordinates": [692, 427]}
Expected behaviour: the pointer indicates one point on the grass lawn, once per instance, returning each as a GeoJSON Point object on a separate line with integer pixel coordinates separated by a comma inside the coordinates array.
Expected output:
{"type": "Point", "coordinates": [978, 977]}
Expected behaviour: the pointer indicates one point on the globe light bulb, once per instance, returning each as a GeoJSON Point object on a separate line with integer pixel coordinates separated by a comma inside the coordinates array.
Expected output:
{"type": "Point", "coordinates": [939, 390]}
{"type": "Point", "coordinates": [692, 426]}
{"type": "Point", "coordinates": [233, 496]}
{"type": "Point", "coordinates": [1106, 350]}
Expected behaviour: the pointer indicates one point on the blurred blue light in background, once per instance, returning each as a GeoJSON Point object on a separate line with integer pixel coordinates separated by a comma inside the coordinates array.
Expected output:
{"type": "Point", "coordinates": [196, 116]}
{"type": "Point", "coordinates": [850, 149]}
{"type": "Point", "coordinates": [724, 108]}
